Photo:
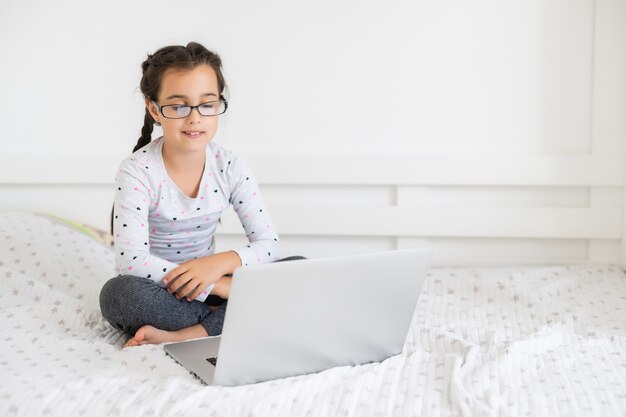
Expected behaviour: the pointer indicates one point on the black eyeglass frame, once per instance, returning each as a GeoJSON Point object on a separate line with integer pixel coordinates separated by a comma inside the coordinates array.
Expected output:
{"type": "Point", "coordinates": [191, 108]}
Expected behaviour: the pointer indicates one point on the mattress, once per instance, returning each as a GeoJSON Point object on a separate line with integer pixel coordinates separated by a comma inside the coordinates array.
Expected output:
{"type": "Point", "coordinates": [499, 341]}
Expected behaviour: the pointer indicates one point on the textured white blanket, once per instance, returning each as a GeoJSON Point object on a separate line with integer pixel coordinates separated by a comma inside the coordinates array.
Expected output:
{"type": "Point", "coordinates": [522, 341]}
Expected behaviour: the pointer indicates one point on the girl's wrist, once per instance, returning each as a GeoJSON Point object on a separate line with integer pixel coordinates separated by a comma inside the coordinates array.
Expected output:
{"type": "Point", "coordinates": [229, 260]}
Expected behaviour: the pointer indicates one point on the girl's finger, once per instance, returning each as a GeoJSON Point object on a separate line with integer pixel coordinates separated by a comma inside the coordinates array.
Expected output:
{"type": "Point", "coordinates": [169, 285]}
{"type": "Point", "coordinates": [187, 291]}
{"type": "Point", "coordinates": [171, 276]}
{"type": "Point", "coordinates": [185, 287]}
{"type": "Point", "coordinates": [176, 285]}
{"type": "Point", "coordinates": [195, 294]}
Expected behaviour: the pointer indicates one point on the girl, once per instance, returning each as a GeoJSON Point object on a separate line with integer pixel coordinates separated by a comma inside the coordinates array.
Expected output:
{"type": "Point", "coordinates": [169, 195]}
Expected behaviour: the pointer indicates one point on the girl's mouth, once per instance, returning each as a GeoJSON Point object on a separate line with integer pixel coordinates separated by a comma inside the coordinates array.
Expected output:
{"type": "Point", "coordinates": [191, 134]}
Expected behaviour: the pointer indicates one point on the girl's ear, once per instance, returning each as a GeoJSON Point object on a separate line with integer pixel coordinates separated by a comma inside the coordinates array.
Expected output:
{"type": "Point", "coordinates": [154, 112]}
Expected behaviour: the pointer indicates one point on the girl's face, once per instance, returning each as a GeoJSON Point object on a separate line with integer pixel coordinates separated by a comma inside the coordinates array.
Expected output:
{"type": "Point", "coordinates": [188, 87]}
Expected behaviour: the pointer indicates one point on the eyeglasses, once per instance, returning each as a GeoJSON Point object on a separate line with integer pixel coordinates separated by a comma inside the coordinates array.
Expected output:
{"type": "Point", "coordinates": [180, 111]}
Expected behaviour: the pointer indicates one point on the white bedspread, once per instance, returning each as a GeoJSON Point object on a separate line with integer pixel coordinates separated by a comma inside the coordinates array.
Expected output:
{"type": "Point", "coordinates": [524, 341]}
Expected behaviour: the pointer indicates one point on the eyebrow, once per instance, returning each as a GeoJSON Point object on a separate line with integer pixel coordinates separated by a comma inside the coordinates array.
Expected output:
{"type": "Point", "coordinates": [181, 96]}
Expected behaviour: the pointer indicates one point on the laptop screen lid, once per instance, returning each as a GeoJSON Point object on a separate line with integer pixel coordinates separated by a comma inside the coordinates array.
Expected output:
{"type": "Point", "coordinates": [299, 317]}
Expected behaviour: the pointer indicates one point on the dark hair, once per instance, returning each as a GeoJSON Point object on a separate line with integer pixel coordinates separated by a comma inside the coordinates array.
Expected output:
{"type": "Point", "coordinates": [153, 68]}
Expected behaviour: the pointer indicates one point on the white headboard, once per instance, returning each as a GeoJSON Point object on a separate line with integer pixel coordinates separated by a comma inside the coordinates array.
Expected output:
{"type": "Point", "coordinates": [473, 210]}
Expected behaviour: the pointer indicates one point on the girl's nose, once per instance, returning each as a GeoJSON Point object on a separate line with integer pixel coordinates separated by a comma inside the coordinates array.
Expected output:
{"type": "Point", "coordinates": [195, 116]}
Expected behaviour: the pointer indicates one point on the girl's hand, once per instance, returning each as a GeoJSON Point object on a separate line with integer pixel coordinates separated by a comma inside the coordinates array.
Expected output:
{"type": "Point", "coordinates": [190, 278]}
{"type": "Point", "coordinates": [222, 287]}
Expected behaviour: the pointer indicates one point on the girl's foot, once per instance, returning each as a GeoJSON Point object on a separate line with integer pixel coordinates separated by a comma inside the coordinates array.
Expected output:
{"type": "Point", "coordinates": [151, 335]}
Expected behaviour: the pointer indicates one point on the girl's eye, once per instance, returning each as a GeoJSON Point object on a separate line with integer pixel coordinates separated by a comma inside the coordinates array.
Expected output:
{"type": "Point", "coordinates": [208, 106]}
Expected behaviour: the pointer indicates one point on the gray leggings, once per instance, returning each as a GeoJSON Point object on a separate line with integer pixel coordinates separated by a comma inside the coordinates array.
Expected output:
{"type": "Point", "coordinates": [129, 302]}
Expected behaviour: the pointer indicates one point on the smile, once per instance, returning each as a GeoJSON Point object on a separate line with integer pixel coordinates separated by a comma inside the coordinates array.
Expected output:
{"type": "Point", "coordinates": [193, 134]}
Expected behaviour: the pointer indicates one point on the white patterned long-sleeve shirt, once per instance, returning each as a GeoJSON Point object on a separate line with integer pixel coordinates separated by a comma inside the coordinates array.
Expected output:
{"type": "Point", "coordinates": [157, 227]}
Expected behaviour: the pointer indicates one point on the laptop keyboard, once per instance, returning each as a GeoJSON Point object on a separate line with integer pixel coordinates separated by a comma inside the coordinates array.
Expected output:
{"type": "Point", "coordinates": [213, 361]}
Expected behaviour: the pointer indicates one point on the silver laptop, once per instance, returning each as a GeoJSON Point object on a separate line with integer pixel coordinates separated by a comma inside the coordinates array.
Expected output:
{"type": "Point", "coordinates": [291, 318]}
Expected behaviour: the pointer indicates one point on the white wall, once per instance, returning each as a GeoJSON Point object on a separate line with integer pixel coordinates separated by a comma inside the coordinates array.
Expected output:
{"type": "Point", "coordinates": [423, 76]}
{"type": "Point", "coordinates": [451, 78]}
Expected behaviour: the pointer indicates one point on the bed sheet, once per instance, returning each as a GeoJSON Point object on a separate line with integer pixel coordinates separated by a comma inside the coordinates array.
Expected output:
{"type": "Point", "coordinates": [506, 341]}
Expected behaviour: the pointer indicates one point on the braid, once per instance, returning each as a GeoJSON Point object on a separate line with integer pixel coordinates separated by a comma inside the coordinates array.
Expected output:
{"type": "Point", "coordinates": [146, 131]}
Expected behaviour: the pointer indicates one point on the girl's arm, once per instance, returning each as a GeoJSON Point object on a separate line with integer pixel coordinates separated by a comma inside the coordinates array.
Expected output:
{"type": "Point", "coordinates": [264, 243]}
{"type": "Point", "coordinates": [222, 287]}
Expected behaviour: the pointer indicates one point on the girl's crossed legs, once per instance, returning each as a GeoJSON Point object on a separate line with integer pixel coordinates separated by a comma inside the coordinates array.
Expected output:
{"type": "Point", "coordinates": [140, 307]}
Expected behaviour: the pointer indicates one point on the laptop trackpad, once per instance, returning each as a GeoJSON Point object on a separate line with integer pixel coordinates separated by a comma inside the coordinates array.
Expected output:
{"type": "Point", "coordinates": [195, 354]}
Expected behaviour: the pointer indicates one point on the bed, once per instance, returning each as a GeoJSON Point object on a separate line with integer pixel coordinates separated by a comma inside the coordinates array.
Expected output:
{"type": "Point", "coordinates": [497, 341]}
